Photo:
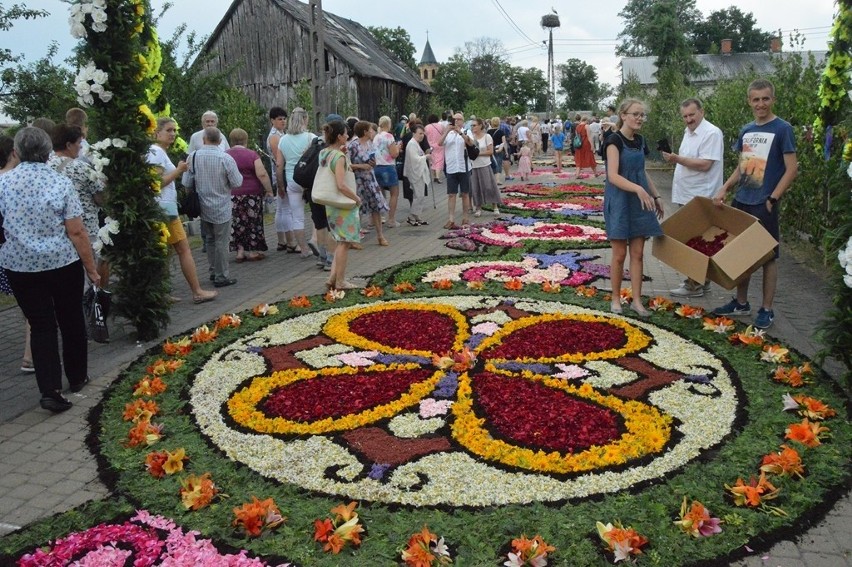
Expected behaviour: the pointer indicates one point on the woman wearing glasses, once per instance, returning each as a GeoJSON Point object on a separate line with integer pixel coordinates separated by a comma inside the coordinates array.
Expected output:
{"type": "Point", "coordinates": [632, 204]}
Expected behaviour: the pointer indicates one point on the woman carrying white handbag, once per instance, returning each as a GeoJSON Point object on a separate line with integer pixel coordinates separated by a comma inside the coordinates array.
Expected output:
{"type": "Point", "coordinates": [344, 223]}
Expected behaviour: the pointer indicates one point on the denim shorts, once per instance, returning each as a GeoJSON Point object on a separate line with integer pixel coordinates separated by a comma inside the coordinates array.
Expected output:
{"type": "Point", "coordinates": [458, 183]}
{"type": "Point", "coordinates": [386, 175]}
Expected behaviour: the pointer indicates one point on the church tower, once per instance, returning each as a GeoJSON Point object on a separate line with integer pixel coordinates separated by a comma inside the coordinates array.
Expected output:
{"type": "Point", "coordinates": [428, 66]}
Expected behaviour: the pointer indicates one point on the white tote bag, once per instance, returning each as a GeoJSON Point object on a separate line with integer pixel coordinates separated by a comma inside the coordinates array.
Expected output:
{"type": "Point", "coordinates": [325, 191]}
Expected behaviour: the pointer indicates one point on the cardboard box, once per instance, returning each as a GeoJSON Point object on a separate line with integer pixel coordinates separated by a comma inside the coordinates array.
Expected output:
{"type": "Point", "coordinates": [747, 247]}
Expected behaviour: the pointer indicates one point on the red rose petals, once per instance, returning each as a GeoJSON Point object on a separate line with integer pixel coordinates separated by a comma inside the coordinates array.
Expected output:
{"type": "Point", "coordinates": [409, 329]}
{"type": "Point", "coordinates": [551, 339]}
{"type": "Point", "coordinates": [335, 396]}
{"type": "Point", "coordinates": [531, 414]}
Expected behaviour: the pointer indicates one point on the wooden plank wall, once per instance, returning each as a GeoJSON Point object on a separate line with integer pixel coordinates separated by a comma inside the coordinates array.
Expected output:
{"type": "Point", "coordinates": [270, 50]}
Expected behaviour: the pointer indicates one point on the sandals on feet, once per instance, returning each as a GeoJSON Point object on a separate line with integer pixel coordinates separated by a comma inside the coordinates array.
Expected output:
{"type": "Point", "coordinates": [383, 241]}
{"type": "Point", "coordinates": [205, 297]}
{"type": "Point", "coordinates": [451, 225]}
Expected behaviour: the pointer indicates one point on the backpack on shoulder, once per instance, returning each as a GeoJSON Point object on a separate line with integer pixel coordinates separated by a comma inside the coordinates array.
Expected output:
{"type": "Point", "coordinates": [306, 168]}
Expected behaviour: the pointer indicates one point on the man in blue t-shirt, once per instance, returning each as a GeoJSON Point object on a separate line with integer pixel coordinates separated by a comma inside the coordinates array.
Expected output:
{"type": "Point", "coordinates": [767, 168]}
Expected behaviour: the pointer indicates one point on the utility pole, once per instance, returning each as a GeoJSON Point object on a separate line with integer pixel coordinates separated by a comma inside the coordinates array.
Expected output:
{"type": "Point", "coordinates": [318, 72]}
{"type": "Point", "coordinates": [548, 22]}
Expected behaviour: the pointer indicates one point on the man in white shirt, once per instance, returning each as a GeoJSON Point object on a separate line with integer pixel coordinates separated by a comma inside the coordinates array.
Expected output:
{"type": "Point", "coordinates": [208, 119]}
{"type": "Point", "coordinates": [454, 139]}
{"type": "Point", "coordinates": [698, 170]}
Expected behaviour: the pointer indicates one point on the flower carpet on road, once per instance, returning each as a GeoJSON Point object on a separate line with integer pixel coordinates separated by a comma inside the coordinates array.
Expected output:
{"type": "Point", "coordinates": [487, 414]}
{"type": "Point", "coordinates": [551, 190]}
{"type": "Point", "coordinates": [562, 268]}
{"type": "Point", "coordinates": [529, 232]}
{"type": "Point", "coordinates": [576, 206]}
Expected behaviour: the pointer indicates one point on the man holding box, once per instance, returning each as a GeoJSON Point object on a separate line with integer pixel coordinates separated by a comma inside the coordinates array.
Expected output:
{"type": "Point", "coordinates": [767, 168]}
{"type": "Point", "coordinates": [698, 170]}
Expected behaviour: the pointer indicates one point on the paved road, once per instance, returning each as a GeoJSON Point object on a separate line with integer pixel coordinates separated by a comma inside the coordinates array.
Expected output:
{"type": "Point", "coordinates": [46, 468]}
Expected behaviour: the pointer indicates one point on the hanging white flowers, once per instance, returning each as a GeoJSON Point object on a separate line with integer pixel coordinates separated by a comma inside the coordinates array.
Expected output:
{"type": "Point", "coordinates": [90, 81]}
{"type": "Point", "coordinates": [845, 258]}
{"type": "Point", "coordinates": [97, 159]}
{"type": "Point", "coordinates": [95, 9]}
{"type": "Point", "coordinates": [109, 228]}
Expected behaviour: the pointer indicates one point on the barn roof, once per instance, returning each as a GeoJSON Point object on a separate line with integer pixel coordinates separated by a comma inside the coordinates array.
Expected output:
{"type": "Point", "coordinates": [718, 67]}
{"type": "Point", "coordinates": [348, 40]}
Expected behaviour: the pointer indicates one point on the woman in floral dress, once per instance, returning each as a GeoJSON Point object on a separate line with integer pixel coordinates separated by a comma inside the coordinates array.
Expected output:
{"type": "Point", "coordinates": [361, 154]}
{"type": "Point", "coordinates": [344, 225]}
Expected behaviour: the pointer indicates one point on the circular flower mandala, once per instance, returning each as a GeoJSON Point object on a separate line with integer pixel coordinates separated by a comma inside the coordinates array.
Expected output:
{"type": "Point", "coordinates": [538, 401]}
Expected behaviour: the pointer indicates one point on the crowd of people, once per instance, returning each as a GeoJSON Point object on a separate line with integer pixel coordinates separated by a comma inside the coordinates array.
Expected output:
{"type": "Point", "coordinates": [50, 204]}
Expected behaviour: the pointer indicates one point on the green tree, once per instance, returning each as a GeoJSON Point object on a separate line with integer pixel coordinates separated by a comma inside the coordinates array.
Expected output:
{"type": "Point", "coordinates": [454, 83]}
{"type": "Point", "coordinates": [578, 82]}
{"type": "Point", "coordinates": [41, 88]}
{"type": "Point", "coordinates": [729, 23]}
{"type": "Point", "coordinates": [524, 90]}
{"type": "Point", "coordinates": [641, 35]}
{"type": "Point", "coordinates": [397, 41]}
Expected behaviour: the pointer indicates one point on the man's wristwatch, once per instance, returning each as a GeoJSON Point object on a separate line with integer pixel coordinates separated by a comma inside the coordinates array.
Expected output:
{"type": "Point", "coordinates": [772, 200]}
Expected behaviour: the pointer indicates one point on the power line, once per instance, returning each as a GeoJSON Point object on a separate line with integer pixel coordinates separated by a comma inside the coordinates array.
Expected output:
{"type": "Point", "coordinates": [512, 23]}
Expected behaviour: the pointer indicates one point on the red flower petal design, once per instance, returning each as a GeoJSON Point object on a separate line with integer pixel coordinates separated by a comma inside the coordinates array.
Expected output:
{"type": "Point", "coordinates": [552, 339]}
{"type": "Point", "coordinates": [408, 329]}
{"type": "Point", "coordinates": [531, 414]}
{"type": "Point", "coordinates": [335, 396]}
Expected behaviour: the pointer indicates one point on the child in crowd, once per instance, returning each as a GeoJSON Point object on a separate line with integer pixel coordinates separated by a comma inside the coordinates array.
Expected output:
{"type": "Point", "coordinates": [525, 163]}
{"type": "Point", "coordinates": [557, 138]}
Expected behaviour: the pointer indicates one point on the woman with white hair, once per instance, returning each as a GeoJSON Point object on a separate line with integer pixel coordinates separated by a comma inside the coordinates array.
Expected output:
{"type": "Point", "coordinates": [292, 145]}
{"type": "Point", "coordinates": [46, 253]}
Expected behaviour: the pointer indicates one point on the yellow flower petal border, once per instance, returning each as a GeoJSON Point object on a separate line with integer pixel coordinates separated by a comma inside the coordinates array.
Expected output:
{"type": "Point", "coordinates": [648, 431]}
{"type": "Point", "coordinates": [636, 338]}
{"type": "Point", "coordinates": [242, 406]}
{"type": "Point", "coordinates": [337, 327]}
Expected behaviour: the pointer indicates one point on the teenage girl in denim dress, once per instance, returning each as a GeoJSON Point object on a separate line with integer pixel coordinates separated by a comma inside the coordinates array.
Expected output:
{"type": "Point", "coordinates": [632, 205]}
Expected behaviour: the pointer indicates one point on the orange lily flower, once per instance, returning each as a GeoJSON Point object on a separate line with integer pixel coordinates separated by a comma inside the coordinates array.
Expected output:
{"type": "Point", "coordinates": [690, 312]}
{"type": "Point", "coordinates": [807, 433]}
{"type": "Point", "coordinates": [203, 335]}
{"type": "Point", "coordinates": [137, 408]}
{"type": "Point", "coordinates": [754, 493]}
{"type": "Point", "coordinates": [551, 287]}
{"type": "Point", "coordinates": [180, 347]}
{"type": "Point", "coordinates": [443, 284]}
{"type": "Point", "coordinates": [813, 408]}
{"type": "Point", "coordinates": [514, 284]}
{"type": "Point", "coordinates": [373, 291]}
{"type": "Point", "coordinates": [404, 287]}
{"type": "Point", "coordinates": [786, 462]}
{"type": "Point", "coordinates": [226, 321]}
{"type": "Point", "coordinates": [660, 304]}
{"type": "Point", "coordinates": [477, 285]}
{"type": "Point", "coordinates": [300, 301]}
{"type": "Point", "coordinates": [196, 492]}
{"type": "Point", "coordinates": [148, 386]}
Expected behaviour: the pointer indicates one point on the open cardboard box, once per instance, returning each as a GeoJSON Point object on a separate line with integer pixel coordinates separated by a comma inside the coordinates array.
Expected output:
{"type": "Point", "coordinates": [747, 247]}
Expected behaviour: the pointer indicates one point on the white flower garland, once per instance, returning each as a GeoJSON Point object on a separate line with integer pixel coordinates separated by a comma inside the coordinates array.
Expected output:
{"type": "Point", "coordinates": [844, 255]}
{"type": "Point", "coordinates": [90, 81]}
{"type": "Point", "coordinates": [96, 9]}
{"type": "Point", "coordinates": [98, 161]}
{"type": "Point", "coordinates": [109, 228]}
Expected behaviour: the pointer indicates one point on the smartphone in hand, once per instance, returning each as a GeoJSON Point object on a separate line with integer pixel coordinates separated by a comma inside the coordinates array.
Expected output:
{"type": "Point", "coordinates": [663, 146]}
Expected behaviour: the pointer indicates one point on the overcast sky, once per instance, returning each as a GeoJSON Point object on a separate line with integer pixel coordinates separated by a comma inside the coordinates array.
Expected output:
{"type": "Point", "coordinates": [588, 31]}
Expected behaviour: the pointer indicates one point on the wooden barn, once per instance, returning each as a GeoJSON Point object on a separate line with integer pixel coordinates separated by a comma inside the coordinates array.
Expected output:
{"type": "Point", "coordinates": [267, 42]}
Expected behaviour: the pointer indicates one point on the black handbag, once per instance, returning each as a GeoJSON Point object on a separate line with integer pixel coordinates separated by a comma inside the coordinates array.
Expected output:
{"type": "Point", "coordinates": [190, 205]}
